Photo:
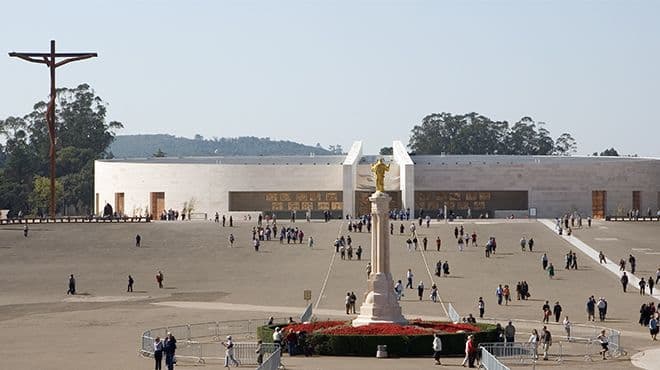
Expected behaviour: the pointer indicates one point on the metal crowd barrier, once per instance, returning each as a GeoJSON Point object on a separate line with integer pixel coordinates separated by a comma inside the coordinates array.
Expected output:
{"type": "Point", "coordinates": [273, 362]}
{"type": "Point", "coordinates": [201, 342]}
{"type": "Point", "coordinates": [490, 362]}
{"type": "Point", "coordinates": [511, 350]}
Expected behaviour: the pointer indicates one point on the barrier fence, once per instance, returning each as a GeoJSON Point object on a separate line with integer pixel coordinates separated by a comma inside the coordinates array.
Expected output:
{"type": "Point", "coordinates": [490, 362]}
{"type": "Point", "coordinates": [273, 362]}
{"type": "Point", "coordinates": [201, 342]}
{"type": "Point", "coordinates": [582, 343]}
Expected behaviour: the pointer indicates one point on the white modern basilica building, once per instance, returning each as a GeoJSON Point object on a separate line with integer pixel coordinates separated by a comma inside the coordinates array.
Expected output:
{"type": "Point", "coordinates": [474, 185]}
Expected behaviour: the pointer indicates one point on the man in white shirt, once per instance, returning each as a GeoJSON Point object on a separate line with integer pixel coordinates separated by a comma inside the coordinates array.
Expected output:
{"type": "Point", "coordinates": [229, 353]}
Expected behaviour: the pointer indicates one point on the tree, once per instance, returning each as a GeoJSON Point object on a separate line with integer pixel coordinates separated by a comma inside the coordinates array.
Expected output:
{"type": "Point", "coordinates": [474, 133]}
{"type": "Point", "coordinates": [386, 150]}
{"type": "Point", "coordinates": [159, 154]}
{"type": "Point", "coordinates": [565, 145]}
{"type": "Point", "coordinates": [40, 195]}
{"type": "Point", "coordinates": [611, 152]}
{"type": "Point", "coordinates": [83, 135]}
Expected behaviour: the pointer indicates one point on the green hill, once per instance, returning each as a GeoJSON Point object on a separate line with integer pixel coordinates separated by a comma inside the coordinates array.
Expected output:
{"type": "Point", "coordinates": [135, 146]}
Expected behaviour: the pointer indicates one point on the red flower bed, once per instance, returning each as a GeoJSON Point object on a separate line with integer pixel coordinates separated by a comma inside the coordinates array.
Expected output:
{"type": "Point", "coordinates": [446, 327]}
{"type": "Point", "coordinates": [313, 326]}
{"type": "Point", "coordinates": [415, 327]}
{"type": "Point", "coordinates": [377, 329]}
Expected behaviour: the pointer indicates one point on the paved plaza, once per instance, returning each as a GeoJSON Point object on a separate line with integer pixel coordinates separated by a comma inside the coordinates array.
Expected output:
{"type": "Point", "coordinates": [206, 280]}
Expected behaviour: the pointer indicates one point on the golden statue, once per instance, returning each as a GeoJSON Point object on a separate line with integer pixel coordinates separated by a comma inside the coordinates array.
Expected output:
{"type": "Point", "coordinates": [379, 168]}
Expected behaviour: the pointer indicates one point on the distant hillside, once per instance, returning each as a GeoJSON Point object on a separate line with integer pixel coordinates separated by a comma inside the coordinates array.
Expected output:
{"type": "Point", "coordinates": [127, 146]}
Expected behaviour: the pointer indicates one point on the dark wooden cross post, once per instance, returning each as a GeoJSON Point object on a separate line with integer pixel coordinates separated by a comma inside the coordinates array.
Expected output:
{"type": "Point", "coordinates": [49, 59]}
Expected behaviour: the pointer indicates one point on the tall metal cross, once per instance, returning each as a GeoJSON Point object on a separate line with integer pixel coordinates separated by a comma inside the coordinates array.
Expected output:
{"type": "Point", "coordinates": [49, 59]}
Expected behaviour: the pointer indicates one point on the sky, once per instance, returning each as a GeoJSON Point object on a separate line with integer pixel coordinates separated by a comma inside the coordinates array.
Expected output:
{"type": "Point", "coordinates": [332, 72]}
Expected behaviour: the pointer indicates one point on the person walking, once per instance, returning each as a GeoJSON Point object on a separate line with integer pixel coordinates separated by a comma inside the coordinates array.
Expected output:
{"type": "Point", "coordinates": [653, 327]}
{"type": "Point", "coordinates": [347, 302]}
{"type": "Point", "coordinates": [567, 328]}
{"type": "Point", "coordinates": [409, 276]}
{"type": "Point", "coordinates": [260, 352]}
{"type": "Point", "coordinates": [642, 286]}
{"type": "Point", "coordinates": [544, 261]}
{"type": "Point", "coordinates": [231, 240]}
{"type": "Point", "coordinates": [510, 333]}
{"type": "Point", "coordinates": [604, 344]}
{"type": "Point", "coordinates": [624, 281]}
{"type": "Point", "coordinates": [398, 290]}
{"type": "Point", "coordinates": [551, 271]}
{"type": "Point", "coordinates": [169, 348]}
{"type": "Point", "coordinates": [557, 311]}
{"type": "Point", "coordinates": [546, 338]}
{"type": "Point", "coordinates": [159, 279]}
{"type": "Point", "coordinates": [138, 240]}
{"type": "Point", "coordinates": [420, 290]}
{"type": "Point", "coordinates": [534, 344]}
{"type": "Point", "coordinates": [437, 348]}
{"type": "Point", "coordinates": [72, 285]}
{"type": "Point", "coordinates": [601, 257]}
{"type": "Point", "coordinates": [499, 292]}
{"type": "Point", "coordinates": [438, 242]}
{"type": "Point", "coordinates": [368, 268]}
{"type": "Point", "coordinates": [158, 353]}
{"type": "Point", "coordinates": [471, 351]}
{"type": "Point", "coordinates": [25, 230]}
{"type": "Point", "coordinates": [130, 284]}
{"type": "Point", "coordinates": [482, 307]}
{"type": "Point", "coordinates": [650, 284]}
{"type": "Point", "coordinates": [591, 309]}
{"type": "Point", "coordinates": [229, 353]}
{"type": "Point", "coordinates": [434, 293]}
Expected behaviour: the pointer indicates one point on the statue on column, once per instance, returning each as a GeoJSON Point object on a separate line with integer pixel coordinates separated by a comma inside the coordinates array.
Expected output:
{"type": "Point", "coordinates": [379, 168]}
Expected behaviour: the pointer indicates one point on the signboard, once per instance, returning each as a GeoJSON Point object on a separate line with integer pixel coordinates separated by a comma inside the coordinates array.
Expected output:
{"type": "Point", "coordinates": [286, 201]}
{"type": "Point", "coordinates": [308, 295]}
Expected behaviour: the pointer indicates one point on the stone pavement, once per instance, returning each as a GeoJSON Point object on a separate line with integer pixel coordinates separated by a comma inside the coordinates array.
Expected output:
{"type": "Point", "coordinates": [205, 280]}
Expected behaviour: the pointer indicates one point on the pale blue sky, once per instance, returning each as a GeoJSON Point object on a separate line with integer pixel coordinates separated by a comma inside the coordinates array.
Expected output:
{"type": "Point", "coordinates": [336, 71]}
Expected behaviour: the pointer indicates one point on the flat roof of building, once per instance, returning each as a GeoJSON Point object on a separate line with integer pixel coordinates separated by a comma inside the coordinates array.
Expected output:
{"type": "Point", "coordinates": [367, 159]}
{"type": "Point", "coordinates": [516, 159]}
{"type": "Point", "coordinates": [237, 160]}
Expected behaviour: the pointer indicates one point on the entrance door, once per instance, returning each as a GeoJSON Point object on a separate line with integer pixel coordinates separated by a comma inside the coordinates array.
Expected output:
{"type": "Point", "coordinates": [637, 200]}
{"type": "Point", "coordinates": [157, 205]}
{"type": "Point", "coordinates": [119, 203]}
{"type": "Point", "coordinates": [598, 203]}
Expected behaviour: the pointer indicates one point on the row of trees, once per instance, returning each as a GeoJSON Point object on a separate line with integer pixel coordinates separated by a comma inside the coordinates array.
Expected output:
{"type": "Point", "coordinates": [83, 135]}
{"type": "Point", "coordinates": [474, 133]}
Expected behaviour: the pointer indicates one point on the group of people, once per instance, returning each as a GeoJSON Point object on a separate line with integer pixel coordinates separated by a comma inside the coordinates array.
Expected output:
{"type": "Point", "coordinates": [166, 347]}
{"type": "Point", "coordinates": [592, 304]}
{"type": "Point", "coordinates": [648, 317]}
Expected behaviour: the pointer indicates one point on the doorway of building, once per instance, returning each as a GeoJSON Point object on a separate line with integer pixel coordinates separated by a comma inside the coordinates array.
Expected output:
{"type": "Point", "coordinates": [637, 200]}
{"type": "Point", "coordinates": [598, 203]}
{"type": "Point", "coordinates": [157, 204]}
{"type": "Point", "coordinates": [119, 203]}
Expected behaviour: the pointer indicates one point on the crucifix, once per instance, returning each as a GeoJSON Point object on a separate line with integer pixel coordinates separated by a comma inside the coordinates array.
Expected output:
{"type": "Point", "coordinates": [49, 59]}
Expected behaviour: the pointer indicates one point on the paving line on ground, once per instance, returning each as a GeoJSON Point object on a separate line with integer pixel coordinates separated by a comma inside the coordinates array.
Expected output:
{"type": "Point", "coordinates": [428, 270]}
{"type": "Point", "coordinates": [633, 281]}
{"type": "Point", "coordinates": [327, 275]}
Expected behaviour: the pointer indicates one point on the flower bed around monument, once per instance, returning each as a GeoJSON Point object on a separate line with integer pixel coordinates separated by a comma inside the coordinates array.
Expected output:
{"type": "Point", "coordinates": [414, 339]}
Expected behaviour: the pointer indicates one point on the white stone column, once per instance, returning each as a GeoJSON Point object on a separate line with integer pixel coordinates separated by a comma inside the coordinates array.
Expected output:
{"type": "Point", "coordinates": [380, 303]}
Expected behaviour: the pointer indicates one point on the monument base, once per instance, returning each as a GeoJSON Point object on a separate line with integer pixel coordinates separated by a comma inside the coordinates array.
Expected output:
{"type": "Point", "coordinates": [380, 305]}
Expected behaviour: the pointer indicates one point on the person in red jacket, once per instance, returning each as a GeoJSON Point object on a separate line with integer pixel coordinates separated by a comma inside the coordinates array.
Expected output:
{"type": "Point", "coordinates": [471, 350]}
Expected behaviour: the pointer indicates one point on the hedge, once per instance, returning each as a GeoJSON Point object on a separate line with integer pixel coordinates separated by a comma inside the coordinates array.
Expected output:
{"type": "Point", "coordinates": [397, 345]}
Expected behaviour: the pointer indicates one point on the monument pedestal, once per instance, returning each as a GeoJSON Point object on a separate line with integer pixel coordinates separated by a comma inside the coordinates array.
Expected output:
{"type": "Point", "coordinates": [380, 304]}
